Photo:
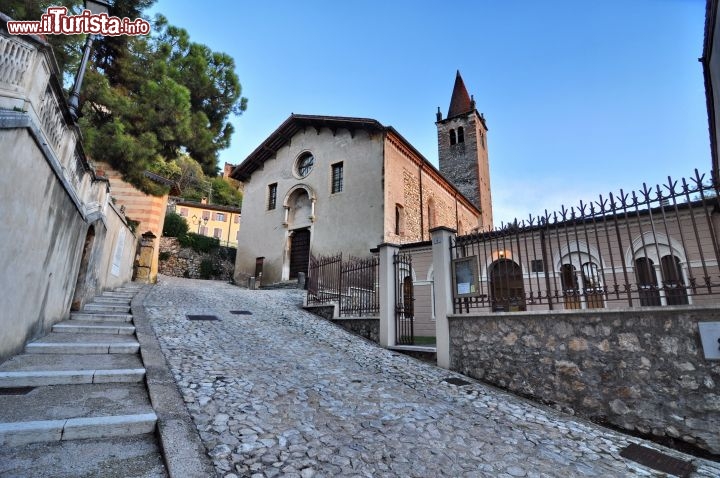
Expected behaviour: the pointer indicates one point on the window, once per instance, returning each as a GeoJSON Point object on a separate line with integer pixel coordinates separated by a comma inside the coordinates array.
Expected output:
{"type": "Point", "coordinates": [304, 164]}
{"type": "Point", "coordinates": [272, 196]}
{"type": "Point", "coordinates": [537, 265]}
{"type": "Point", "coordinates": [461, 135]}
{"type": "Point", "coordinates": [184, 211]}
{"type": "Point", "coordinates": [206, 215]}
{"type": "Point", "coordinates": [647, 281]}
{"type": "Point", "coordinates": [203, 230]}
{"type": "Point", "coordinates": [675, 290]}
{"type": "Point", "coordinates": [399, 220]}
{"type": "Point", "coordinates": [431, 214]}
{"type": "Point", "coordinates": [237, 236]}
{"type": "Point", "coordinates": [217, 232]}
{"type": "Point", "coordinates": [237, 219]}
{"type": "Point", "coordinates": [220, 216]}
{"type": "Point", "coordinates": [337, 177]}
{"type": "Point", "coordinates": [453, 139]}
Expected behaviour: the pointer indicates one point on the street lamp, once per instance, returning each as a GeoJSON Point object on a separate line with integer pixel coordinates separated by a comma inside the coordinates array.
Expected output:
{"type": "Point", "coordinates": [96, 7]}
{"type": "Point", "coordinates": [198, 221]}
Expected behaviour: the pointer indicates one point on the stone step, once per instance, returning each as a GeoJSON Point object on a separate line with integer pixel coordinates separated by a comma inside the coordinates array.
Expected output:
{"type": "Point", "coordinates": [129, 288]}
{"type": "Point", "coordinates": [111, 300]}
{"type": "Point", "coordinates": [68, 377]}
{"type": "Point", "coordinates": [107, 308]}
{"type": "Point", "coordinates": [93, 327]}
{"type": "Point", "coordinates": [71, 412]}
{"type": "Point", "coordinates": [40, 362]}
{"type": "Point", "coordinates": [101, 317]}
{"type": "Point", "coordinates": [120, 295]}
{"type": "Point", "coordinates": [118, 457]}
{"type": "Point", "coordinates": [54, 343]}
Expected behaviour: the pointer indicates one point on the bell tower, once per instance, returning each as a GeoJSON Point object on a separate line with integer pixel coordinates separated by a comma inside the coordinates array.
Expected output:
{"type": "Point", "coordinates": [463, 152]}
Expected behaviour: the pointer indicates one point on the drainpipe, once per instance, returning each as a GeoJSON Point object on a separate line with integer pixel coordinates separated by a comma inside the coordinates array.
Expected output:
{"type": "Point", "coordinates": [229, 227]}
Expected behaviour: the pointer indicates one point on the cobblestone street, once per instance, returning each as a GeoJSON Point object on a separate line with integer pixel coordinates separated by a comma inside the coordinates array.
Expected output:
{"type": "Point", "coordinates": [281, 392]}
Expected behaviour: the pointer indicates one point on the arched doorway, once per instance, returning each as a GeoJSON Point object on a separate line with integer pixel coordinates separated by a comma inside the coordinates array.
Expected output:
{"type": "Point", "coordinates": [507, 291]}
{"type": "Point", "coordinates": [299, 210]}
{"type": "Point", "coordinates": [80, 286]}
{"type": "Point", "coordinates": [299, 252]}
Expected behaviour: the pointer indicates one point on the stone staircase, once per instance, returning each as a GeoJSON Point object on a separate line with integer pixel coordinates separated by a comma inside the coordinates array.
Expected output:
{"type": "Point", "coordinates": [83, 383]}
{"type": "Point", "coordinates": [289, 284]}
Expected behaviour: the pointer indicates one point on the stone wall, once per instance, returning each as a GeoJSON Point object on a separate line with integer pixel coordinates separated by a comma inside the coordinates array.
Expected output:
{"type": "Point", "coordinates": [368, 327]}
{"type": "Point", "coordinates": [426, 198]}
{"type": "Point", "coordinates": [185, 262]}
{"type": "Point", "coordinates": [60, 243]}
{"type": "Point", "coordinates": [641, 370]}
{"type": "Point", "coordinates": [466, 164]}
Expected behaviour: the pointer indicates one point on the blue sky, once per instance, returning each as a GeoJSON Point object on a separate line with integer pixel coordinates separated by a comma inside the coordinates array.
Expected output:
{"type": "Point", "coordinates": [581, 98]}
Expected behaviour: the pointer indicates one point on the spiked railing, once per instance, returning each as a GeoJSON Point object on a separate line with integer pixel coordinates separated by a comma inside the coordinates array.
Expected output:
{"type": "Point", "coordinates": [656, 246]}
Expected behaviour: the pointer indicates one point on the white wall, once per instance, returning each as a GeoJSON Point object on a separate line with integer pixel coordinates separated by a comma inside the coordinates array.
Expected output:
{"type": "Point", "coordinates": [350, 221]}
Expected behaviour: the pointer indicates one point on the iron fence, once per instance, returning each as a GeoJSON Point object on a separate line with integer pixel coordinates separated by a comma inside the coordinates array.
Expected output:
{"type": "Point", "coordinates": [352, 284]}
{"type": "Point", "coordinates": [653, 247]}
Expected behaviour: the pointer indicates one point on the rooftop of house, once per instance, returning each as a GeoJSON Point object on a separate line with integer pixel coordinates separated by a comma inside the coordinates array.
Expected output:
{"type": "Point", "coordinates": [201, 205]}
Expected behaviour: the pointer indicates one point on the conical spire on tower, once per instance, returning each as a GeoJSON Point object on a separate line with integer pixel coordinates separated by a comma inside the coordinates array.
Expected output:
{"type": "Point", "coordinates": [460, 102]}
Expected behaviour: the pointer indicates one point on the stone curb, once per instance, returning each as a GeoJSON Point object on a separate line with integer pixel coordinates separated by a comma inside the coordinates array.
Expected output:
{"type": "Point", "coordinates": [21, 433]}
{"type": "Point", "coordinates": [183, 451]}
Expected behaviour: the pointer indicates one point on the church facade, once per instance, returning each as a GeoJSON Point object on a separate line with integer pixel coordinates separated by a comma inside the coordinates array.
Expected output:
{"type": "Point", "coordinates": [328, 184]}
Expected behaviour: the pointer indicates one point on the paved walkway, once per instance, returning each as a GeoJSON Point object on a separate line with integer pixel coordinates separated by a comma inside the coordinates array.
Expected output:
{"type": "Point", "coordinates": [284, 393]}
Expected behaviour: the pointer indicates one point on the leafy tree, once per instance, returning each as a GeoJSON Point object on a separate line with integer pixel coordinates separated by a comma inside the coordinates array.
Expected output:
{"type": "Point", "coordinates": [175, 225]}
{"type": "Point", "coordinates": [224, 193]}
{"type": "Point", "coordinates": [148, 99]}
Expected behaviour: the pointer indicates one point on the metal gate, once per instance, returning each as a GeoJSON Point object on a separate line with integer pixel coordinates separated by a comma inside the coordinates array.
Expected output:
{"type": "Point", "coordinates": [404, 300]}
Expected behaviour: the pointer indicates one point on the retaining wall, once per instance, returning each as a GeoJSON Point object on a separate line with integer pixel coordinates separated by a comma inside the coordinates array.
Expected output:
{"type": "Point", "coordinates": [641, 370]}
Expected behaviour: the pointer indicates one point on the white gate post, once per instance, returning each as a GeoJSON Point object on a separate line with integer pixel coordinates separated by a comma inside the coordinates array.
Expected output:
{"type": "Point", "coordinates": [387, 294]}
{"type": "Point", "coordinates": [443, 292]}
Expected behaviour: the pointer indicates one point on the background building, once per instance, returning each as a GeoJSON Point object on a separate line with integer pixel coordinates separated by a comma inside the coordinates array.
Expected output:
{"type": "Point", "coordinates": [328, 184]}
{"type": "Point", "coordinates": [220, 222]}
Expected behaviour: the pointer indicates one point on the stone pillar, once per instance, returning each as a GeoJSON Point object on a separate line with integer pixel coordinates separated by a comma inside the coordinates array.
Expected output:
{"type": "Point", "coordinates": [387, 294]}
{"type": "Point", "coordinates": [443, 291]}
{"type": "Point", "coordinates": [147, 248]}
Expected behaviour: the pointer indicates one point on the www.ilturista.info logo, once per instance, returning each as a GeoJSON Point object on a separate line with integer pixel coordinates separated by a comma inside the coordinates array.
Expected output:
{"type": "Point", "coordinates": [57, 22]}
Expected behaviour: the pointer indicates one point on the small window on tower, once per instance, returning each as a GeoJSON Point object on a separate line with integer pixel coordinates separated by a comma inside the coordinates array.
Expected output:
{"type": "Point", "coordinates": [452, 137]}
{"type": "Point", "coordinates": [461, 135]}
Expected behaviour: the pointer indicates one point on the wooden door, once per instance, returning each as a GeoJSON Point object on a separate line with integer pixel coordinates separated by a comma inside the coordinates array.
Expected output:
{"type": "Point", "coordinates": [299, 252]}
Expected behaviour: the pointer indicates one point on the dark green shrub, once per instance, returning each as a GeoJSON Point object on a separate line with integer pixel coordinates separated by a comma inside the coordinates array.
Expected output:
{"type": "Point", "coordinates": [175, 225]}
{"type": "Point", "coordinates": [198, 242]}
{"type": "Point", "coordinates": [208, 269]}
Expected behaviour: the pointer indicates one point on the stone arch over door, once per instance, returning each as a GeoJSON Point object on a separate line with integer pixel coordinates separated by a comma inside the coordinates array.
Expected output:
{"type": "Point", "coordinates": [507, 290]}
{"type": "Point", "coordinates": [299, 204]}
{"type": "Point", "coordinates": [81, 282]}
